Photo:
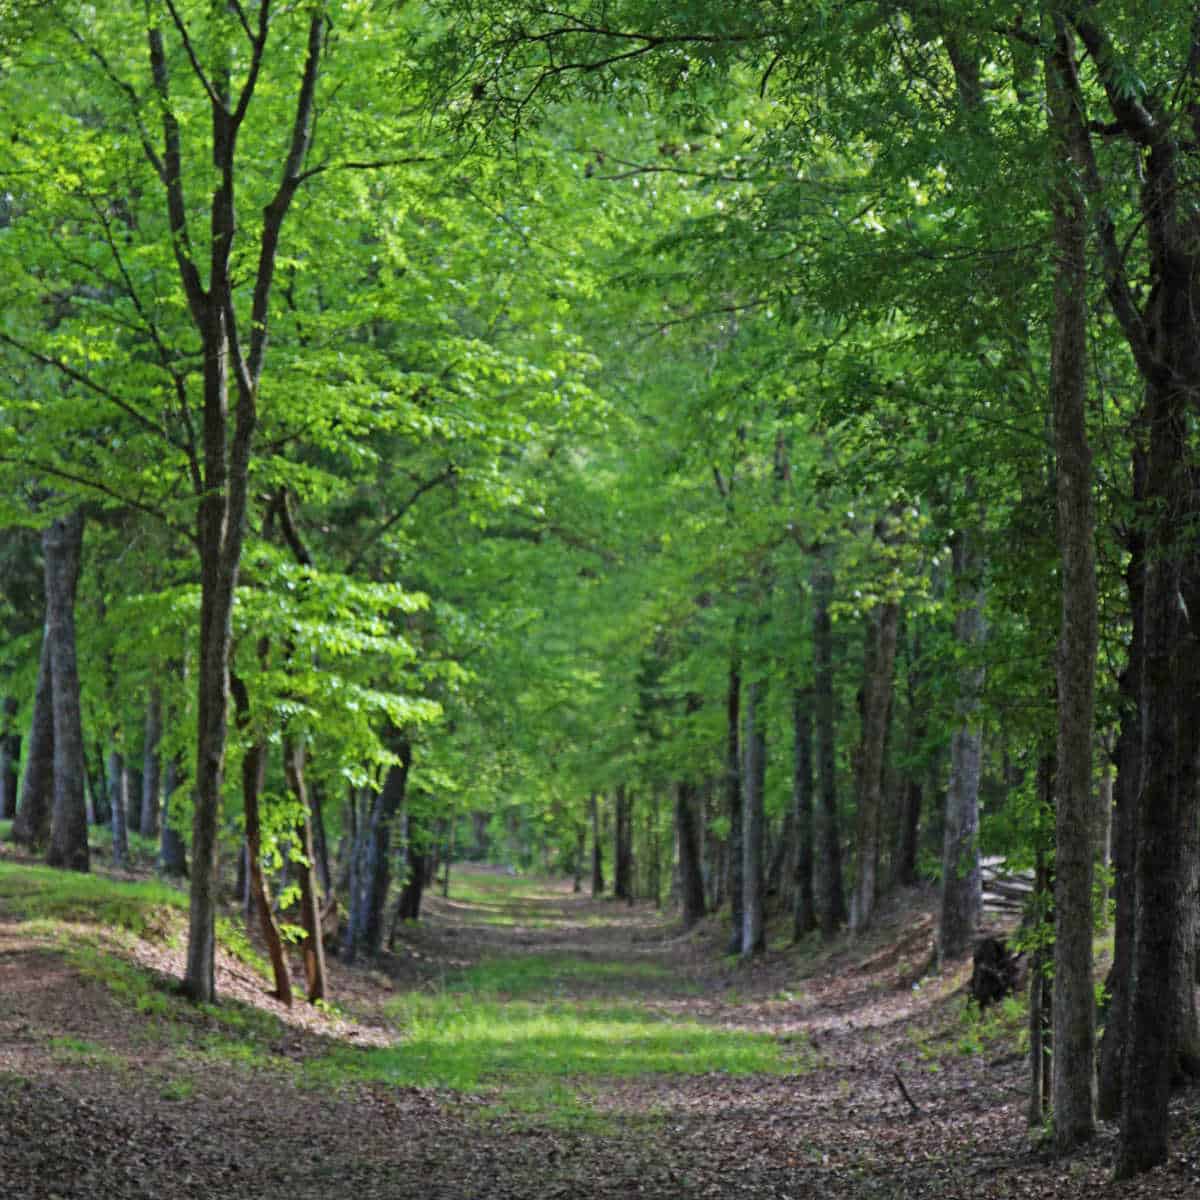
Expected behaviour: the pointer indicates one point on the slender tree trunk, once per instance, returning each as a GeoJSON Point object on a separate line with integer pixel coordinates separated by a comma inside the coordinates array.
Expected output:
{"type": "Point", "coordinates": [408, 905]}
{"type": "Point", "coordinates": [312, 948]}
{"type": "Point", "coordinates": [597, 848]}
{"type": "Point", "coordinates": [580, 855]}
{"type": "Point", "coordinates": [118, 795]}
{"type": "Point", "coordinates": [754, 754]}
{"type": "Point", "coordinates": [831, 902]}
{"type": "Point", "coordinates": [31, 827]}
{"type": "Point", "coordinates": [320, 838]}
{"type": "Point", "coordinates": [152, 765]}
{"type": "Point", "coordinates": [10, 758]}
{"type": "Point", "coordinates": [913, 794]}
{"type": "Point", "coordinates": [962, 896]}
{"type": "Point", "coordinates": [62, 544]}
{"type": "Point", "coordinates": [172, 852]}
{"type": "Point", "coordinates": [691, 878]}
{"type": "Point", "coordinates": [1039, 914]}
{"type": "Point", "coordinates": [733, 793]}
{"type": "Point", "coordinates": [623, 845]}
{"type": "Point", "coordinates": [882, 630]}
{"type": "Point", "coordinates": [804, 913]}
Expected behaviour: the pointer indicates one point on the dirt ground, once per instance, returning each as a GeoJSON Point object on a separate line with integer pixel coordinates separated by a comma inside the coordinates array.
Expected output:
{"type": "Point", "coordinates": [102, 1101]}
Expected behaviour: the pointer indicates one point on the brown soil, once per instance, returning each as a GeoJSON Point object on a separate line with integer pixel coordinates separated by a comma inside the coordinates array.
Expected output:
{"type": "Point", "coordinates": [101, 1101]}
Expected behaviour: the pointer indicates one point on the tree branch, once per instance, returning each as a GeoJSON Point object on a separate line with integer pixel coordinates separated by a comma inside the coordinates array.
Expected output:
{"type": "Point", "coordinates": [197, 69]}
{"type": "Point", "coordinates": [172, 178]}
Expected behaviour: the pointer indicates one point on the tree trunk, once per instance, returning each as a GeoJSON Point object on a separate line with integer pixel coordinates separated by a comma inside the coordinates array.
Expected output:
{"type": "Point", "coordinates": [172, 852]}
{"type": "Point", "coordinates": [31, 827]}
{"type": "Point", "coordinates": [579, 856]}
{"type": "Point", "coordinates": [118, 796]}
{"type": "Point", "coordinates": [10, 758]}
{"type": "Point", "coordinates": [366, 924]}
{"type": "Point", "coordinates": [913, 794]}
{"type": "Point", "coordinates": [754, 756]}
{"type": "Point", "coordinates": [597, 849]}
{"type": "Point", "coordinates": [1041, 913]}
{"type": "Point", "coordinates": [882, 630]}
{"type": "Point", "coordinates": [320, 838]}
{"type": "Point", "coordinates": [1074, 1000]}
{"type": "Point", "coordinates": [804, 912]}
{"type": "Point", "coordinates": [687, 834]}
{"type": "Point", "coordinates": [831, 901]}
{"type": "Point", "coordinates": [735, 861]}
{"type": "Point", "coordinates": [152, 766]}
{"type": "Point", "coordinates": [312, 948]}
{"type": "Point", "coordinates": [62, 544]}
{"type": "Point", "coordinates": [623, 845]}
{"type": "Point", "coordinates": [962, 895]}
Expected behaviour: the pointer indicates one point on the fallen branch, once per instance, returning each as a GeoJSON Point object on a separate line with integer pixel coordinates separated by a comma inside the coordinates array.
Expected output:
{"type": "Point", "coordinates": [904, 1092]}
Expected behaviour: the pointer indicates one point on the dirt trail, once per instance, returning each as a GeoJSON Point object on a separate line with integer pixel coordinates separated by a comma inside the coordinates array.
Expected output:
{"type": "Point", "coordinates": [99, 1100]}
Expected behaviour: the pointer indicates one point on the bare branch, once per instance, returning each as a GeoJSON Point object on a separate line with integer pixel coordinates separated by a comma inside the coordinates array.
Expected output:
{"type": "Point", "coordinates": [173, 183]}
{"type": "Point", "coordinates": [301, 140]}
{"type": "Point", "coordinates": [197, 69]}
{"type": "Point", "coordinates": [444, 476]}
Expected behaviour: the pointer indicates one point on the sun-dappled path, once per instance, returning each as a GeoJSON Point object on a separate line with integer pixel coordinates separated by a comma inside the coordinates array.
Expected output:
{"type": "Point", "coordinates": [522, 1042]}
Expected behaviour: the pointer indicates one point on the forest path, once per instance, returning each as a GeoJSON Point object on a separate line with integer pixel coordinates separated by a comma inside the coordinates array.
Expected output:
{"type": "Point", "coordinates": [615, 1057]}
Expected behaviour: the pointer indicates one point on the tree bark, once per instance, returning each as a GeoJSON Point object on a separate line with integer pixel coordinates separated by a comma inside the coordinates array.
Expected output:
{"type": "Point", "coordinates": [735, 861]}
{"type": "Point", "coordinates": [597, 849]}
{"type": "Point", "coordinates": [804, 912]}
{"type": "Point", "coordinates": [152, 766]}
{"type": "Point", "coordinates": [172, 852]}
{"type": "Point", "coordinates": [691, 878]}
{"type": "Point", "coordinates": [10, 758]}
{"type": "Point", "coordinates": [830, 893]}
{"type": "Point", "coordinates": [31, 826]}
{"type": "Point", "coordinates": [882, 630]}
{"type": "Point", "coordinates": [623, 844]}
{"type": "Point", "coordinates": [962, 895]}
{"type": "Point", "coordinates": [118, 797]}
{"type": "Point", "coordinates": [1074, 1003]}
{"type": "Point", "coordinates": [913, 794]}
{"type": "Point", "coordinates": [754, 765]}
{"type": "Point", "coordinates": [62, 545]}
{"type": "Point", "coordinates": [312, 948]}
{"type": "Point", "coordinates": [366, 923]}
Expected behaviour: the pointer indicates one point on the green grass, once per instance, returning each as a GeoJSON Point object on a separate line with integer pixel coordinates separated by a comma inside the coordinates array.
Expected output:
{"type": "Point", "coordinates": [537, 974]}
{"type": "Point", "coordinates": [476, 1036]}
{"type": "Point", "coordinates": [149, 910]}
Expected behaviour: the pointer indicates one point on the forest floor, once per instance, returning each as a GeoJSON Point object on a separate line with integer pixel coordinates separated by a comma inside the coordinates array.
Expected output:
{"type": "Point", "coordinates": [522, 1042]}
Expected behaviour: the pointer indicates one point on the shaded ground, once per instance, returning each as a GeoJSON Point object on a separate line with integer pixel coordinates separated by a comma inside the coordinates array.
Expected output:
{"type": "Point", "coordinates": [99, 1099]}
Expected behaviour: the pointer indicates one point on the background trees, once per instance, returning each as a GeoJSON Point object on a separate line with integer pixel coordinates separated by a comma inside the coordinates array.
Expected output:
{"type": "Point", "coordinates": [692, 431]}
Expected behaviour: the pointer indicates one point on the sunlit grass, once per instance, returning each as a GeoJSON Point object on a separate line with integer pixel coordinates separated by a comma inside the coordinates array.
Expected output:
{"type": "Point", "coordinates": [556, 976]}
{"type": "Point", "coordinates": [471, 1040]}
{"type": "Point", "coordinates": [148, 909]}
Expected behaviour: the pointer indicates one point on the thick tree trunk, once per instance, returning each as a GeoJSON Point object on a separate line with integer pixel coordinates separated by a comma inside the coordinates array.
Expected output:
{"type": "Point", "coordinates": [735, 861]}
{"type": "Point", "coordinates": [118, 798]}
{"type": "Point", "coordinates": [1074, 1002]}
{"type": "Point", "coordinates": [31, 827]}
{"type": "Point", "coordinates": [367, 918]}
{"type": "Point", "coordinates": [691, 878]}
{"type": "Point", "coordinates": [831, 901]}
{"type": "Point", "coordinates": [597, 848]}
{"type": "Point", "coordinates": [312, 948]}
{"type": "Point", "coordinates": [962, 895]}
{"type": "Point", "coordinates": [804, 910]}
{"type": "Point", "coordinates": [62, 544]}
{"type": "Point", "coordinates": [882, 630]}
{"type": "Point", "coordinates": [10, 758]}
{"type": "Point", "coordinates": [152, 766]}
{"type": "Point", "coordinates": [754, 760]}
